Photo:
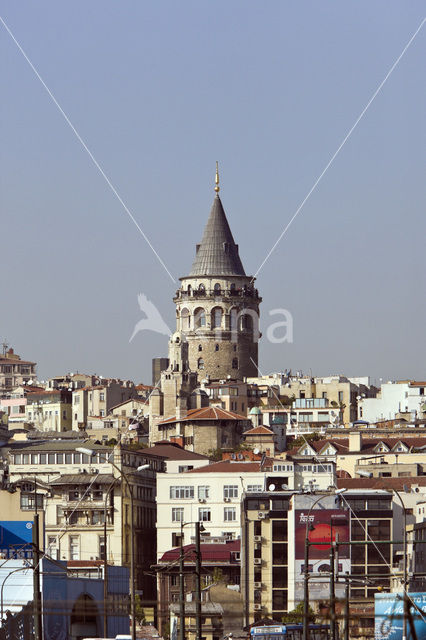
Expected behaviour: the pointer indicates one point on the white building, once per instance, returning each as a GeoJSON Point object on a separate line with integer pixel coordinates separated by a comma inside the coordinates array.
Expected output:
{"type": "Point", "coordinates": [212, 495]}
{"type": "Point", "coordinates": [394, 398]}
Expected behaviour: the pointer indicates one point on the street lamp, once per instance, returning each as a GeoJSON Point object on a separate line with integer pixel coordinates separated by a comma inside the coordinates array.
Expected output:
{"type": "Point", "coordinates": [91, 452]}
{"type": "Point", "coordinates": [306, 567]}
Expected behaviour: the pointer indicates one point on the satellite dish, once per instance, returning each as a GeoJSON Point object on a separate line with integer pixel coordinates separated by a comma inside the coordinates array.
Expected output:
{"type": "Point", "coordinates": [271, 487]}
{"type": "Point", "coordinates": [30, 381]}
{"type": "Point", "coordinates": [256, 451]}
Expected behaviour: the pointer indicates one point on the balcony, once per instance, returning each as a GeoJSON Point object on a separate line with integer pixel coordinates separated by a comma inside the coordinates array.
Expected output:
{"type": "Point", "coordinates": [196, 294]}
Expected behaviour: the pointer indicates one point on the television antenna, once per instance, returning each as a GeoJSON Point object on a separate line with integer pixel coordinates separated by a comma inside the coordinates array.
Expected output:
{"type": "Point", "coordinates": [4, 347]}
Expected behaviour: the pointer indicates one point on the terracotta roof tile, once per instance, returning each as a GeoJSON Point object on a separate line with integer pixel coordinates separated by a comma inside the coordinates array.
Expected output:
{"type": "Point", "coordinates": [261, 430]}
{"type": "Point", "coordinates": [205, 413]}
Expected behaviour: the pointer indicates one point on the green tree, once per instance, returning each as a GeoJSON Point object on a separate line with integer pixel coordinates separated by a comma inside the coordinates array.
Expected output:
{"type": "Point", "coordinates": [310, 437]}
{"type": "Point", "coordinates": [140, 613]}
{"type": "Point", "coordinates": [296, 616]}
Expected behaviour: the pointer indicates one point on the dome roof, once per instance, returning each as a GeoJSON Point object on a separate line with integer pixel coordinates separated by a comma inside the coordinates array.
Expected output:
{"type": "Point", "coordinates": [255, 411]}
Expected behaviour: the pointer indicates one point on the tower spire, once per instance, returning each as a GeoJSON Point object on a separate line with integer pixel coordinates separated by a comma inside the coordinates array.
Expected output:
{"type": "Point", "coordinates": [217, 188]}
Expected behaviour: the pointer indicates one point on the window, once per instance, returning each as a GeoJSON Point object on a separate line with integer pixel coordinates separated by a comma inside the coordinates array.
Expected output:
{"type": "Point", "coordinates": [185, 319]}
{"type": "Point", "coordinates": [17, 458]}
{"type": "Point", "coordinates": [203, 492]}
{"type": "Point", "coordinates": [233, 319]}
{"type": "Point", "coordinates": [27, 501]}
{"type": "Point", "coordinates": [204, 514]}
{"type": "Point", "coordinates": [74, 495]}
{"type": "Point", "coordinates": [51, 458]}
{"type": "Point", "coordinates": [200, 363]}
{"type": "Point", "coordinates": [59, 458]}
{"type": "Point", "coordinates": [200, 347]}
{"type": "Point", "coordinates": [97, 517]}
{"type": "Point", "coordinates": [102, 397]}
{"type": "Point", "coordinates": [52, 548]}
{"type": "Point", "coordinates": [59, 515]}
{"type": "Point", "coordinates": [340, 396]}
{"type": "Point", "coordinates": [177, 514]}
{"type": "Point", "coordinates": [252, 488]}
{"type": "Point", "coordinates": [101, 547]}
{"type": "Point", "coordinates": [235, 363]}
{"type": "Point", "coordinates": [199, 318]}
{"type": "Point", "coordinates": [230, 491]}
{"type": "Point", "coordinates": [68, 458]}
{"type": "Point", "coordinates": [176, 538]}
{"type": "Point", "coordinates": [230, 514]}
{"type": "Point", "coordinates": [74, 548]}
{"type": "Point", "coordinates": [216, 347]}
{"type": "Point", "coordinates": [216, 318]}
{"type": "Point", "coordinates": [181, 492]}
{"type": "Point", "coordinates": [217, 289]}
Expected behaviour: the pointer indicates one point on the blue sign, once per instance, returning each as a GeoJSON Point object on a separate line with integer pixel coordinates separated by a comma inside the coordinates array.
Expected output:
{"type": "Point", "coordinates": [15, 539]}
{"type": "Point", "coordinates": [389, 615]}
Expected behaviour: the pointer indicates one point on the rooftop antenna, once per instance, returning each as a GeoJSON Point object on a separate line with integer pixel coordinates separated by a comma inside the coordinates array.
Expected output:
{"type": "Point", "coordinates": [217, 188]}
{"type": "Point", "coordinates": [4, 347]}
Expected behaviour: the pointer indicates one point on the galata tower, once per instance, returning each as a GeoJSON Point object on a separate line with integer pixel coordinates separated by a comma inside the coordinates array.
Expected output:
{"type": "Point", "coordinates": [217, 306]}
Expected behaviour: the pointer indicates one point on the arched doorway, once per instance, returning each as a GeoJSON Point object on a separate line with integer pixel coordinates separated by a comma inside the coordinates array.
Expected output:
{"type": "Point", "coordinates": [84, 618]}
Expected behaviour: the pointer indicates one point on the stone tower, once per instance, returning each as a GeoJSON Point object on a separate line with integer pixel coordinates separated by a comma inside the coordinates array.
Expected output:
{"type": "Point", "coordinates": [217, 305]}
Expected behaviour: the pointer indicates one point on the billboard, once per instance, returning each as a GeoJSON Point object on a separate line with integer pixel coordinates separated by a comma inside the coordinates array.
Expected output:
{"type": "Point", "coordinates": [322, 526]}
{"type": "Point", "coordinates": [15, 538]}
{"type": "Point", "coordinates": [389, 612]}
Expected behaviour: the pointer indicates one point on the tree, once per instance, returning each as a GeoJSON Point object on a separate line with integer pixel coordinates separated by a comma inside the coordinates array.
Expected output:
{"type": "Point", "coordinates": [296, 616]}
{"type": "Point", "coordinates": [309, 437]}
{"type": "Point", "coordinates": [139, 612]}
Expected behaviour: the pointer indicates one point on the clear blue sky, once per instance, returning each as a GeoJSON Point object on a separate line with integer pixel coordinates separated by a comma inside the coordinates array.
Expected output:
{"type": "Point", "coordinates": [161, 90]}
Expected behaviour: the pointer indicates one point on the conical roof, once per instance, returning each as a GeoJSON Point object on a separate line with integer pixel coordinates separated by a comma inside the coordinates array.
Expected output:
{"type": "Point", "coordinates": [217, 255]}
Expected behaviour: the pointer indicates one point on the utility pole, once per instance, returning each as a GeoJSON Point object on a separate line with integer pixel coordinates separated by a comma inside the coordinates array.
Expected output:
{"type": "Point", "coordinates": [38, 627]}
{"type": "Point", "coordinates": [198, 582]}
{"type": "Point", "coordinates": [332, 594]}
{"type": "Point", "coordinates": [346, 637]}
{"type": "Point", "coordinates": [306, 590]}
{"type": "Point", "coordinates": [181, 588]}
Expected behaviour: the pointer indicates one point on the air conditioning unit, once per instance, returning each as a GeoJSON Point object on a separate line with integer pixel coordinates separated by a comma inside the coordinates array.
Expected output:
{"type": "Point", "coordinates": [227, 500]}
{"type": "Point", "coordinates": [257, 585]}
{"type": "Point", "coordinates": [257, 538]}
{"type": "Point", "coordinates": [258, 561]}
{"type": "Point", "coordinates": [201, 500]}
{"type": "Point", "coordinates": [263, 514]}
{"type": "Point", "coordinates": [257, 607]}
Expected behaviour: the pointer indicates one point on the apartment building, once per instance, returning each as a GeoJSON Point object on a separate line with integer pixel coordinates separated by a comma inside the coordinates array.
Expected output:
{"type": "Point", "coordinates": [404, 397]}
{"type": "Point", "coordinates": [14, 371]}
{"type": "Point", "coordinates": [274, 529]}
{"type": "Point", "coordinates": [49, 410]}
{"type": "Point", "coordinates": [77, 492]}
{"type": "Point", "coordinates": [212, 495]}
{"type": "Point", "coordinates": [97, 401]}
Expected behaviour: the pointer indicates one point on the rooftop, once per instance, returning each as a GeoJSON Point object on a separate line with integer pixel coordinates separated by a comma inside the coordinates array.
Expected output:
{"type": "Point", "coordinates": [172, 451]}
{"type": "Point", "coordinates": [217, 254]}
{"type": "Point", "coordinates": [205, 413]}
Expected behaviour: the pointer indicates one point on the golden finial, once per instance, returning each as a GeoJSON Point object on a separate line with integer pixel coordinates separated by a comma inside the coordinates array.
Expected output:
{"type": "Point", "coordinates": [217, 188]}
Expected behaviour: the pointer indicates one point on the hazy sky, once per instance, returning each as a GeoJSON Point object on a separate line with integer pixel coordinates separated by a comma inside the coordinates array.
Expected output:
{"type": "Point", "coordinates": [161, 90]}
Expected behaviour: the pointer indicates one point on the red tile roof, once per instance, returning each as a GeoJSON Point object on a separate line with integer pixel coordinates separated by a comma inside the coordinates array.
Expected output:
{"type": "Point", "coordinates": [205, 413]}
{"type": "Point", "coordinates": [367, 444]}
{"type": "Point", "coordinates": [260, 430]}
{"type": "Point", "coordinates": [172, 451]}
{"type": "Point", "coordinates": [210, 552]}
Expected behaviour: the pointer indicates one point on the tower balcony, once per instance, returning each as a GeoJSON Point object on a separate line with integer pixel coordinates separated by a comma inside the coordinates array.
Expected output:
{"type": "Point", "coordinates": [224, 294]}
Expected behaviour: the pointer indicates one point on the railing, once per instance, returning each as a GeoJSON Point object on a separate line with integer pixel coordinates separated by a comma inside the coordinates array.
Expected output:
{"type": "Point", "coordinates": [245, 292]}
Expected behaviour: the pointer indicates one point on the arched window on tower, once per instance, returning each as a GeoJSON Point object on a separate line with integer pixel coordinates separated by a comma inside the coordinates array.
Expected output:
{"type": "Point", "coordinates": [200, 363]}
{"type": "Point", "coordinates": [217, 289]}
{"type": "Point", "coordinates": [201, 289]}
{"type": "Point", "coordinates": [200, 348]}
{"type": "Point", "coordinates": [235, 363]}
{"type": "Point", "coordinates": [233, 290]}
{"type": "Point", "coordinates": [216, 348]}
{"type": "Point", "coordinates": [216, 318]}
{"type": "Point", "coordinates": [185, 318]}
{"type": "Point", "coordinates": [233, 319]}
{"type": "Point", "coordinates": [246, 322]}
{"type": "Point", "coordinates": [199, 318]}
{"type": "Point", "coordinates": [189, 290]}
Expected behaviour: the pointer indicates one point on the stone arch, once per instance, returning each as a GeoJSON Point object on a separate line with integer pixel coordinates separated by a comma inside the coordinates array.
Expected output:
{"type": "Point", "coordinates": [233, 318]}
{"type": "Point", "coordinates": [189, 290]}
{"type": "Point", "coordinates": [217, 289]}
{"type": "Point", "coordinates": [199, 318]}
{"type": "Point", "coordinates": [185, 319]}
{"type": "Point", "coordinates": [85, 617]}
{"type": "Point", "coordinates": [235, 363]}
{"type": "Point", "coordinates": [200, 363]}
{"type": "Point", "coordinates": [201, 289]}
{"type": "Point", "coordinates": [216, 316]}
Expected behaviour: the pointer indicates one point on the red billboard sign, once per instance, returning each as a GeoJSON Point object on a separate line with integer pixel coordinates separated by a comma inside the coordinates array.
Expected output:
{"type": "Point", "coordinates": [322, 526]}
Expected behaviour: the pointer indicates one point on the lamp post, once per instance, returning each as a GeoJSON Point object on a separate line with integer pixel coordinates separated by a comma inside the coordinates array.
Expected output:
{"type": "Point", "coordinates": [90, 452]}
{"type": "Point", "coordinates": [306, 567]}
{"type": "Point", "coordinates": [405, 599]}
{"type": "Point", "coordinates": [4, 582]}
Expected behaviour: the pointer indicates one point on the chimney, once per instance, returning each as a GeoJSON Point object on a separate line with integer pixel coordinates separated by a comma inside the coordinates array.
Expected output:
{"type": "Point", "coordinates": [355, 441]}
